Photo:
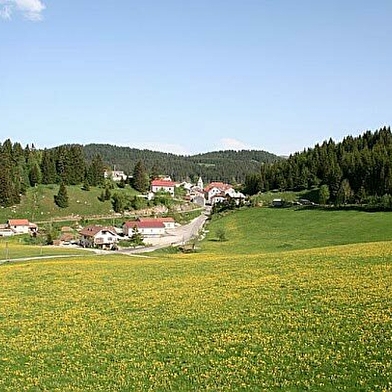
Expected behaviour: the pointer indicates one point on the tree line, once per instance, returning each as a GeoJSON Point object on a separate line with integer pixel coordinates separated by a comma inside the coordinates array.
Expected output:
{"type": "Point", "coordinates": [228, 166]}
{"type": "Point", "coordinates": [355, 170]}
{"type": "Point", "coordinates": [26, 167]}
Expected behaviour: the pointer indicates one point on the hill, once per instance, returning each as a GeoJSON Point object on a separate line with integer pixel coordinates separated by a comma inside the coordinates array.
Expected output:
{"type": "Point", "coordinates": [261, 230]}
{"type": "Point", "coordinates": [355, 170]}
{"type": "Point", "coordinates": [227, 165]}
{"type": "Point", "coordinates": [38, 205]}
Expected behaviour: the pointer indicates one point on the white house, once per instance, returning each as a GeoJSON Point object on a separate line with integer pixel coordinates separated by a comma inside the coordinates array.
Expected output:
{"type": "Point", "coordinates": [21, 226]}
{"type": "Point", "coordinates": [238, 196]}
{"type": "Point", "coordinates": [115, 175]}
{"type": "Point", "coordinates": [159, 185]}
{"type": "Point", "coordinates": [217, 192]}
{"type": "Point", "coordinates": [148, 228]}
{"type": "Point", "coordinates": [168, 222]}
{"type": "Point", "coordinates": [98, 236]}
{"type": "Point", "coordinates": [216, 188]}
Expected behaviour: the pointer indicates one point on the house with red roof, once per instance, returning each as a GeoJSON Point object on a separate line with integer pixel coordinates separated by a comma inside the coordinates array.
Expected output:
{"type": "Point", "coordinates": [216, 192]}
{"type": "Point", "coordinates": [214, 189]}
{"type": "Point", "coordinates": [163, 185]}
{"type": "Point", "coordinates": [147, 228]}
{"type": "Point", "coordinates": [21, 226]}
{"type": "Point", "coordinates": [169, 222]}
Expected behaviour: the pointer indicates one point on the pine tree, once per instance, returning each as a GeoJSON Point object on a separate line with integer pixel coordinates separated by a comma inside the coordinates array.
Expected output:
{"type": "Point", "coordinates": [323, 194]}
{"type": "Point", "coordinates": [61, 199]}
{"type": "Point", "coordinates": [77, 164]}
{"type": "Point", "coordinates": [6, 189]}
{"type": "Point", "coordinates": [118, 203]}
{"type": "Point", "coordinates": [34, 175]}
{"type": "Point", "coordinates": [140, 178]}
{"type": "Point", "coordinates": [48, 167]}
{"type": "Point", "coordinates": [95, 171]}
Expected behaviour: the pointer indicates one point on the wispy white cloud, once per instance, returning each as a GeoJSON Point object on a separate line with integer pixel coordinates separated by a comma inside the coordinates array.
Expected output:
{"type": "Point", "coordinates": [233, 144]}
{"type": "Point", "coordinates": [5, 12]}
{"type": "Point", "coordinates": [30, 9]}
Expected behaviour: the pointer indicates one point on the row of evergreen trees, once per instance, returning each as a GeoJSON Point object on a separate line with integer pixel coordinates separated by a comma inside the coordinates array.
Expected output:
{"type": "Point", "coordinates": [228, 166]}
{"type": "Point", "coordinates": [353, 170]}
{"type": "Point", "coordinates": [65, 165]}
{"type": "Point", "coordinates": [25, 167]}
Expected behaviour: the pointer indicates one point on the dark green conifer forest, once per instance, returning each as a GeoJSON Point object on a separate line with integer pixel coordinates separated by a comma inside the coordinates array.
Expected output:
{"type": "Point", "coordinates": [354, 170]}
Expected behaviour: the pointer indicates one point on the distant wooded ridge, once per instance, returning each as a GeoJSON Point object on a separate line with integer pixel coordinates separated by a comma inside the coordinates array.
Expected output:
{"type": "Point", "coordinates": [355, 171]}
{"type": "Point", "coordinates": [229, 165]}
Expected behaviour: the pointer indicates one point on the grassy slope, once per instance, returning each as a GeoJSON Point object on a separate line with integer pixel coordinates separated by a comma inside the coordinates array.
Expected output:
{"type": "Point", "coordinates": [311, 319]}
{"type": "Point", "coordinates": [272, 229]}
{"type": "Point", "coordinates": [38, 204]}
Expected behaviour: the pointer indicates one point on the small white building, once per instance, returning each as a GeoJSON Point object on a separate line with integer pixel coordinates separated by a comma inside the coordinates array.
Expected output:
{"type": "Point", "coordinates": [146, 229]}
{"type": "Point", "coordinates": [21, 226]}
{"type": "Point", "coordinates": [168, 222]}
{"type": "Point", "coordinates": [116, 175]}
{"type": "Point", "coordinates": [98, 236]}
{"type": "Point", "coordinates": [159, 185]}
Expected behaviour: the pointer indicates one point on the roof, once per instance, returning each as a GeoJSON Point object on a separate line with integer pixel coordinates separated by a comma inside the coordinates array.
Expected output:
{"type": "Point", "coordinates": [162, 183]}
{"type": "Point", "coordinates": [18, 222]}
{"type": "Point", "coordinates": [67, 237]}
{"type": "Point", "coordinates": [145, 224]}
{"type": "Point", "coordinates": [91, 231]}
{"type": "Point", "coordinates": [165, 219]}
{"type": "Point", "coordinates": [217, 184]}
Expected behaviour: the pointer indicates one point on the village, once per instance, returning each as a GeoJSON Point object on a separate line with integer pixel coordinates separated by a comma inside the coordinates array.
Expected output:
{"type": "Point", "coordinates": [153, 231]}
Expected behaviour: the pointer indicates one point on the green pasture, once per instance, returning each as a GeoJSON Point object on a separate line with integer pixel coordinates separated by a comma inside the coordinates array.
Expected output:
{"type": "Point", "coordinates": [240, 315]}
{"type": "Point", "coordinates": [291, 321]}
{"type": "Point", "coordinates": [14, 248]}
{"type": "Point", "coordinates": [38, 204]}
{"type": "Point", "coordinates": [255, 230]}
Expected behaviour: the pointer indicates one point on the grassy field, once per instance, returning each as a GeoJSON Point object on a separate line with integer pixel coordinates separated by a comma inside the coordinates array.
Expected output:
{"type": "Point", "coordinates": [318, 318]}
{"type": "Point", "coordinates": [13, 248]}
{"type": "Point", "coordinates": [38, 204]}
{"type": "Point", "coordinates": [256, 230]}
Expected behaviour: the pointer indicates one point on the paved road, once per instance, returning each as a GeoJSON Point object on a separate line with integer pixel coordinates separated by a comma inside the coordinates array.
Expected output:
{"type": "Point", "coordinates": [175, 237]}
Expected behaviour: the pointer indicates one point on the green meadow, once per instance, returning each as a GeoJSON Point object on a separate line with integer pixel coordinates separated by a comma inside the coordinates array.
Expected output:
{"type": "Point", "coordinates": [38, 204]}
{"type": "Point", "coordinates": [255, 230]}
{"type": "Point", "coordinates": [292, 301]}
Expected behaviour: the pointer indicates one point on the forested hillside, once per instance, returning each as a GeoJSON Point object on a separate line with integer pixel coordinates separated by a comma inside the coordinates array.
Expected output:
{"type": "Point", "coordinates": [27, 167]}
{"type": "Point", "coordinates": [230, 166]}
{"type": "Point", "coordinates": [75, 164]}
{"type": "Point", "coordinates": [351, 171]}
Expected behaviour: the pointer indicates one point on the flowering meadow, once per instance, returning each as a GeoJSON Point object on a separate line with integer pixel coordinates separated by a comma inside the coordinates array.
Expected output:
{"type": "Point", "coordinates": [317, 319]}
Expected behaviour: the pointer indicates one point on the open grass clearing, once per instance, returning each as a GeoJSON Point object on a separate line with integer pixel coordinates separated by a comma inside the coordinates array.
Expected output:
{"type": "Point", "coordinates": [255, 230]}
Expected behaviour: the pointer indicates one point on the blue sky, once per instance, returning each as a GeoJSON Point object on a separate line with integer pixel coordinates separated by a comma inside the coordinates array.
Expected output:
{"type": "Point", "coordinates": [194, 76]}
